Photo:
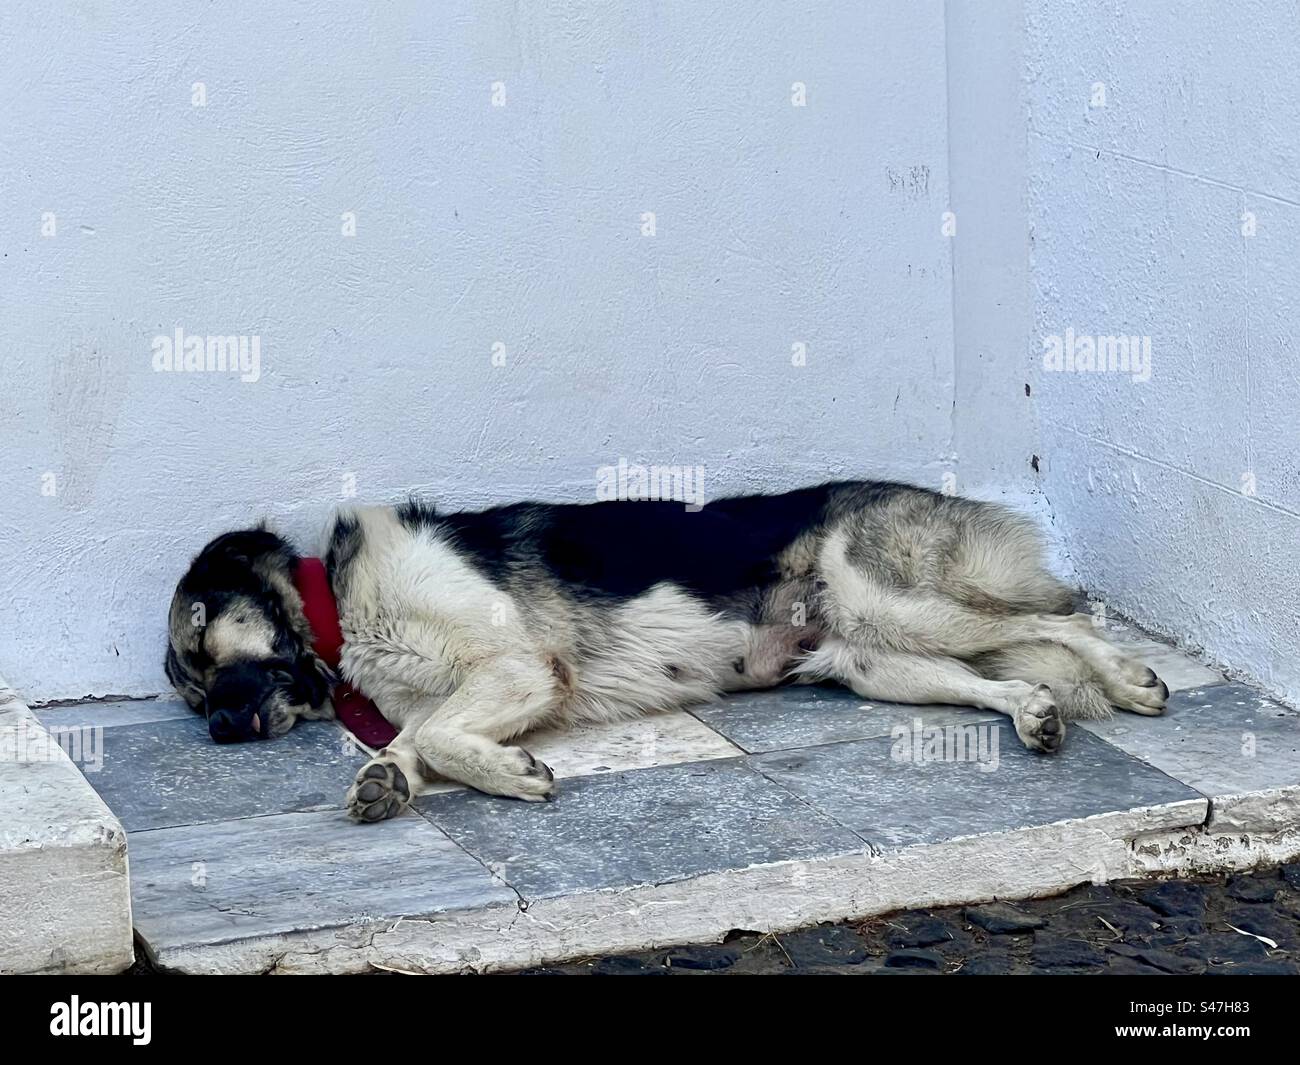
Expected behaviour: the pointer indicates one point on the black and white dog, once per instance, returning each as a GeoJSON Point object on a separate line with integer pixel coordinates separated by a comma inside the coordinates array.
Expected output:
{"type": "Point", "coordinates": [471, 629]}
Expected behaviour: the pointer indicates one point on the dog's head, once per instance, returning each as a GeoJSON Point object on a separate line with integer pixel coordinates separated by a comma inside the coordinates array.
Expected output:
{"type": "Point", "coordinates": [239, 646]}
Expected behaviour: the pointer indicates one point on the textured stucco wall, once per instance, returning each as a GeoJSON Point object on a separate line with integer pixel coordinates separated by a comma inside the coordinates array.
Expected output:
{"type": "Point", "coordinates": [994, 425]}
{"type": "Point", "coordinates": [1170, 208]}
{"type": "Point", "coordinates": [475, 225]}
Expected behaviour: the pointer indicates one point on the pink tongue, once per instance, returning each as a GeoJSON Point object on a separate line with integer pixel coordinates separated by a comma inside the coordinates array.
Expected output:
{"type": "Point", "coordinates": [257, 723]}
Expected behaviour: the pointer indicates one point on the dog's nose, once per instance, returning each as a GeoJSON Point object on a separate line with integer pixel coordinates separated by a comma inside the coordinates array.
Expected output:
{"type": "Point", "coordinates": [227, 727]}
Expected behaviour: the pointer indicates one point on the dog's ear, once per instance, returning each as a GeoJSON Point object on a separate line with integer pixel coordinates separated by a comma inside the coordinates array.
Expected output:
{"type": "Point", "coordinates": [187, 686]}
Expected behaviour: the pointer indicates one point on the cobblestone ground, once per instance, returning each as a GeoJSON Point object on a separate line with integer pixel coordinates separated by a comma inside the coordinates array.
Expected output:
{"type": "Point", "coordinates": [1246, 924]}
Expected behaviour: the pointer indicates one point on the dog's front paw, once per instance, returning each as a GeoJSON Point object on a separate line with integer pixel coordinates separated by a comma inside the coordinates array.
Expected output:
{"type": "Point", "coordinates": [519, 775]}
{"type": "Point", "coordinates": [1039, 723]}
{"type": "Point", "coordinates": [379, 792]}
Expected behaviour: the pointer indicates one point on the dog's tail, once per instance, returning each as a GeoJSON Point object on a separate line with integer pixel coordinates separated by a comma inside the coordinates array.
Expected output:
{"type": "Point", "coordinates": [1077, 689]}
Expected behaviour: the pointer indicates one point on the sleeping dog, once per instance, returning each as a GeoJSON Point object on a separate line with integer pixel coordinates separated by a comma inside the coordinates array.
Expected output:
{"type": "Point", "coordinates": [470, 629]}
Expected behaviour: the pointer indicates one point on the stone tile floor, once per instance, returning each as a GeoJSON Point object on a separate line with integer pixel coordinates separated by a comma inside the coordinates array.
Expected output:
{"type": "Point", "coordinates": [772, 809]}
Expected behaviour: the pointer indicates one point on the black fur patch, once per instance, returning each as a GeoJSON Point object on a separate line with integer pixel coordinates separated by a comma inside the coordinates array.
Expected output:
{"type": "Point", "coordinates": [226, 564]}
{"type": "Point", "coordinates": [345, 542]}
{"type": "Point", "coordinates": [622, 549]}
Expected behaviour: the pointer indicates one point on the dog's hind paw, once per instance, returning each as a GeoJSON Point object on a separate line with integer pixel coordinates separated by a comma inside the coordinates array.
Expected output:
{"type": "Point", "coordinates": [1039, 723]}
{"type": "Point", "coordinates": [379, 792]}
{"type": "Point", "coordinates": [1147, 697]}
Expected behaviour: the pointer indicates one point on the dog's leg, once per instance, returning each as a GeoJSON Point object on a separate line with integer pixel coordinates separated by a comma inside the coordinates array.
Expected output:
{"type": "Point", "coordinates": [459, 738]}
{"type": "Point", "coordinates": [924, 623]}
{"type": "Point", "coordinates": [897, 677]}
{"type": "Point", "coordinates": [1075, 685]}
{"type": "Point", "coordinates": [386, 784]}
{"type": "Point", "coordinates": [1127, 683]}
{"type": "Point", "coordinates": [916, 621]}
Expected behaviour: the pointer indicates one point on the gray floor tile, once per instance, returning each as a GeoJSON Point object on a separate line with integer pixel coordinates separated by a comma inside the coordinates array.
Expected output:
{"type": "Point", "coordinates": [110, 714]}
{"type": "Point", "coordinates": [881, 791]}
{"type": "Point", "coordinates": [202, 884]}
{"type": "Point", "coordinates": [642, 826]}
{"type": "Point", "coordinates": [1222, 740]}
{"type": "Point", "coordinates": [803, 716]}
{"type": "Point", "coordinates": [170, 773]}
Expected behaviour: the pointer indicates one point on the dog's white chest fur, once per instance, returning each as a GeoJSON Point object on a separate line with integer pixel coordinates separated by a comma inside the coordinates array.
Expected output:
{"type": "Point", "coordinates": [418, 618]}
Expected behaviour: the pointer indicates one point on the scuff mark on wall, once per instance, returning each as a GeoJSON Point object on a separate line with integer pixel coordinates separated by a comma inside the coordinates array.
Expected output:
{"type": "Point", "coordinates": [85, 396]}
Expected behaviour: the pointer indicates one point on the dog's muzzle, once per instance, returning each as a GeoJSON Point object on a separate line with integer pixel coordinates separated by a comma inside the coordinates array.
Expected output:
{"type": "Point", "coordinates": [240, 702]}
{"type": "Point", "coordinates": [229, 726]}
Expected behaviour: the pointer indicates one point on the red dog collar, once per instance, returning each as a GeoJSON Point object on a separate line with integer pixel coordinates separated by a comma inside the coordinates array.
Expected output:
{"type": "Point", "coordinates": [359, 715]}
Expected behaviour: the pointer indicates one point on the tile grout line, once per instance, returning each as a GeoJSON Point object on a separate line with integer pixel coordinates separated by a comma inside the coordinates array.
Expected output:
{"type": "Point", "coordinates": [1209, 799]}
{"type": "Point", "coordinates": [493, 875]}
{"type": "Point", "coordinates": [871, 849]}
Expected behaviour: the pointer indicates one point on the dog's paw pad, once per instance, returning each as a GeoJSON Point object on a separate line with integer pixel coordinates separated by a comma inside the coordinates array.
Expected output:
{"type": "Point", "coordinates": [1039, 723]}
{"type": "Point", "coordinates": [379, 792]}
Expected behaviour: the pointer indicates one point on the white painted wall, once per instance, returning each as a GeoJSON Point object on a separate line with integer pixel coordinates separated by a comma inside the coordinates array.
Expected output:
{"type": "Point", "coordinates": [476, 224]}
{"type": "Point", "coordinates": [1180, 496]}
{"type": "Point", "coordinates": [995, 431]}
{"type": "Point", "coordinates": [521, 225]}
